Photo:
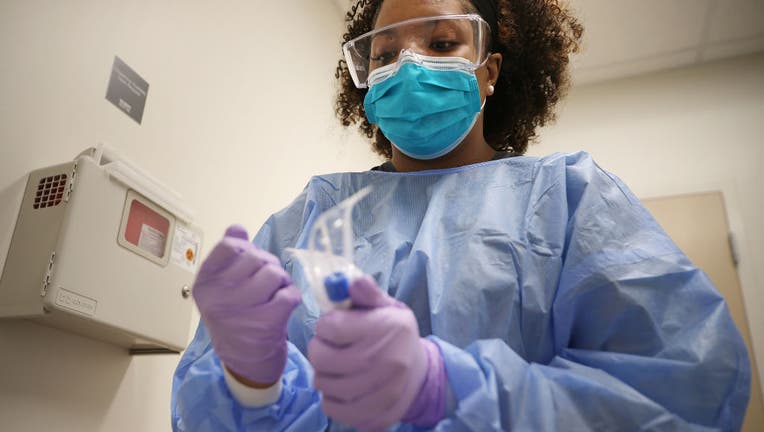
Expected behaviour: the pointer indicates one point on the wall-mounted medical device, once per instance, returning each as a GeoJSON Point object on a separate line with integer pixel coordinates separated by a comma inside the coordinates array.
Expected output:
{"type": "Point", "coordinates": [102, 249]}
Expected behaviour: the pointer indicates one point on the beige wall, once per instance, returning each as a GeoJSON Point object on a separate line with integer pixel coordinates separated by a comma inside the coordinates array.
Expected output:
{"type": "Point", "coordinates": [238, 118]}
{"type": "Point", "coordinates": [683, 131]}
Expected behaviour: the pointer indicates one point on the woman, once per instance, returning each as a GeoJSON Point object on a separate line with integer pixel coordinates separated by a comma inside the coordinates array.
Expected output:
{"type": "Point", "coordinates": [503, 292]}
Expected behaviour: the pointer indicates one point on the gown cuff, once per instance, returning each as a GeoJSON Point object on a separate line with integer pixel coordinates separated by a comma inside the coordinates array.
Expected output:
{"type": "Point", "coordinates": [252, 397]}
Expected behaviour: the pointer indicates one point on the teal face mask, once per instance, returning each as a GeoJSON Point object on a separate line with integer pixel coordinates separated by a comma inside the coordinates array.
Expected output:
{"type": "Point", "coordinates": [424, 105]}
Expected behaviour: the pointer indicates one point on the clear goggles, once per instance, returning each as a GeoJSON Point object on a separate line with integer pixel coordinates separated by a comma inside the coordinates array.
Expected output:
{"type": "Point", "coordinates": [453, 36]}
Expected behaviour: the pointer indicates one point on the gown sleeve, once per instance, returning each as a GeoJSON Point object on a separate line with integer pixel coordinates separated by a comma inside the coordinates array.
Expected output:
{"type": "Point", "coordinates": [643, 340]}
{"type": "Point", "coordinates": [201, 400]}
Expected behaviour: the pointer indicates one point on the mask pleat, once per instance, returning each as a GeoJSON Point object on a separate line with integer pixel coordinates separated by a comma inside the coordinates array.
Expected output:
{"type": "Point", "coordinates": [425, 112]}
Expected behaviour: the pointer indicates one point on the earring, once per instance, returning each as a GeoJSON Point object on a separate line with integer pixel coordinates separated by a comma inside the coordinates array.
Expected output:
{"type": "Point", "coordinates": [490, 89]}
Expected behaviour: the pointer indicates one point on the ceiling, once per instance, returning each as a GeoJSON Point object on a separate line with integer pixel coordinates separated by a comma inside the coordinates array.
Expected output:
{"type": "Point", "coordinates": [625, 38]}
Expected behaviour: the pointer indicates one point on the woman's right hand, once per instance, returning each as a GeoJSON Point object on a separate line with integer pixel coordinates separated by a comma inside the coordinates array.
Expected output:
{"type": "Point", "coordinates": [245, 298]}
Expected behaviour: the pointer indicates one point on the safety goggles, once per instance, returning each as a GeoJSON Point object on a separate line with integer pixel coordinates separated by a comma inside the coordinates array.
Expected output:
{"type": "Point", "coordinates": [465, 36]}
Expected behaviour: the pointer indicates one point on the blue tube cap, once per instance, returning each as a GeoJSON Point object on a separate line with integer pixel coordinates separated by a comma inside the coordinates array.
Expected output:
{"type": "Point", "coordinates": [337, 285]}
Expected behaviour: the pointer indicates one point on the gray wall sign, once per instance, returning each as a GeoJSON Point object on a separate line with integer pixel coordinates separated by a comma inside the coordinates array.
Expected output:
{"type": "Point", "coordinates": [127, 90]}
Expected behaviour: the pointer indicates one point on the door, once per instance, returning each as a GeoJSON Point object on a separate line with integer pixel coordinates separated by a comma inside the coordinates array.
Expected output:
{"type": "Point", "coordinates": [698, 225]}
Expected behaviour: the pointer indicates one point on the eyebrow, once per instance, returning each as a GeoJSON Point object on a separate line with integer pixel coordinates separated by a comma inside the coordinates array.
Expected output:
{"type": "Point", "coordinates": [388, 32]}
{"type": "Point", "coordinates": [392, 31]}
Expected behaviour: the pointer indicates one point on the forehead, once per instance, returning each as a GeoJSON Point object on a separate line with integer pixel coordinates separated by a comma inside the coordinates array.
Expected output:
{"type": "Point", "coordinates": [393, 11]}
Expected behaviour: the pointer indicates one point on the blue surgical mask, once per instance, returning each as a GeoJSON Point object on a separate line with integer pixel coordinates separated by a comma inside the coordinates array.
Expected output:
{"type": "Point", "coordinates": [424, 105]}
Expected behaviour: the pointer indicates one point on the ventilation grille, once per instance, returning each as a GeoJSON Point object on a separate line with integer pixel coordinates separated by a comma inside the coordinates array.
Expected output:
{"type": "Point", "coordinates": [50, 191]}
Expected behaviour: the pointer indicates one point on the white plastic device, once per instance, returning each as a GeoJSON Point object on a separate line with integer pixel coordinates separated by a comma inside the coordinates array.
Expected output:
{"type": "Point", "coordinates": [330, 251]}
{"type": "Point", "coordinates": [103, 249]}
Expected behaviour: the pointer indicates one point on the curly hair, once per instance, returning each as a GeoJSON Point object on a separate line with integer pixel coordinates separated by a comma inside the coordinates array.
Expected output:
{"type": "Point", "coordinates": [536, 38]}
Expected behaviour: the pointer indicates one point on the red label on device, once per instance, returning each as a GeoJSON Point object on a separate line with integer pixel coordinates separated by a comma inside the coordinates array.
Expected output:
{"type": "Point", "coordinates": [147, 229]}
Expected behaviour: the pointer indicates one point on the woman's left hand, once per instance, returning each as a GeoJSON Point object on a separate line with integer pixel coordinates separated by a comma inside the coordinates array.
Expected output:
{"type": "Point", "coordinates": [372, 367]}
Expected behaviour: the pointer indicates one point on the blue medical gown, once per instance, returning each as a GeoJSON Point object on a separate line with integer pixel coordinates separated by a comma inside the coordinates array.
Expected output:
{"type": "Point", "coordinates": [557, 301]}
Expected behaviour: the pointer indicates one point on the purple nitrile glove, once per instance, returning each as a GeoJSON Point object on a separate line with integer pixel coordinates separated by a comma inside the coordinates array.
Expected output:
{"type": "Point", "coordinates": [245, 298]}
{"type": "Point", "coordinates": [372, 367]}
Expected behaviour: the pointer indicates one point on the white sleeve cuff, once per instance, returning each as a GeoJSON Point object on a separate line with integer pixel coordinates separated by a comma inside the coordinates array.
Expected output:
{"type": "Point", "coordinates": [252, 397]}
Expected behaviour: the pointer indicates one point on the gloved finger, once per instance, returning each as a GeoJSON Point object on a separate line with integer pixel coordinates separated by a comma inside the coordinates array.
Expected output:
{"type": "Point", "coordinates": [345, 327]}
{"type": "Point", "coordinates": [228, 288]}
{"type": "Point", "coordinates": [368, 356]}
{"type": "Point", "coordinates": [263, 283]}
{"type": "Point", "coordinates": [228, 249]}
{"type": "Point", "coordinates": [350, 387]}
{"type": "Point", "coordinates": [222, 255]}
{"type": "Point", "coordinates": [225, 252]}
{"type": "Point", "coordinates": [367, 413]}
{"type": "Point", "coordinates": [365, 293]}
{"type": "Point", "coordinates": [237, 231]}
{"type": "Point", "coordinates": [245, 265]}
{"type": "Point", "coordinates": [212, 291]}
{"type": "Point", "coordinates": [271, 315]}
{"type": "Point", "coordinates": [332, 360]}
{"type": "Point", "coordinates": [285, 300]}
{"type": "Point", "coordinates": [381, 405]}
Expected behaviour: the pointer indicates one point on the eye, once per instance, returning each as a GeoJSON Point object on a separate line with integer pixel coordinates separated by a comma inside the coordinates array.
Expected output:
{"type": "Point", "coordinates": [383, 57]}
{"type": "Point", "coordinates": [443, 45]}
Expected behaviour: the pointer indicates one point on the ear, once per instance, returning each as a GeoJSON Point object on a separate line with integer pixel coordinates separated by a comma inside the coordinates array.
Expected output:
{"type": "Point", "coordinates": [493, 65]}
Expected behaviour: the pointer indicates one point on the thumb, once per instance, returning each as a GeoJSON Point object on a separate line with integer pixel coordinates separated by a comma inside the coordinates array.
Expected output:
{"type": "Point", "coordinates": [226, 249]}
{"type": "Point", "coordinates": [365, 293]}
{"type": "Point", "coordinates": [237, 231]}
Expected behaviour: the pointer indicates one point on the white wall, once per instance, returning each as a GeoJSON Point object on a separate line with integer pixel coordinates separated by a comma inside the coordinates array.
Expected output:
{"type": "Point", "coordinates": [239, 115]}
{"type": "Point", "coordinates": [683, 131]}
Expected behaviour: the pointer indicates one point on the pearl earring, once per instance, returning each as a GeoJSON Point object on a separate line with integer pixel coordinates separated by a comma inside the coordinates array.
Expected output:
{"type": "Point", "coordinates": [490, 89]}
